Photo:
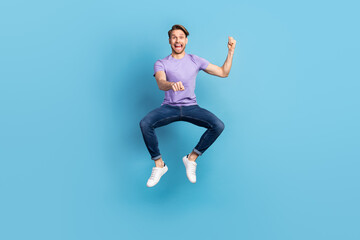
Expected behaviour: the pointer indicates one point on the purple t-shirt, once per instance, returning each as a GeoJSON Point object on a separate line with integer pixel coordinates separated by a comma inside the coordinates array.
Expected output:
{"type": "Point", "coordinates": [184, 70]}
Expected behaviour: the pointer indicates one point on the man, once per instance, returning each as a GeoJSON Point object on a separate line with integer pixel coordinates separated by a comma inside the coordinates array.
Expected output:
{"type": "Point", "coordinates": [176, 75]}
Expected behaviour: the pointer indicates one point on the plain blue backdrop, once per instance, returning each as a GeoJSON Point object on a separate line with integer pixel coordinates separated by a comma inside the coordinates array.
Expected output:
{"type": "Point", "coordinates": [76, 79]}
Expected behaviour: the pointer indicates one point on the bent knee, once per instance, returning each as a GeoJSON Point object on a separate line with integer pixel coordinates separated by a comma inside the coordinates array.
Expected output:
{"type": "Point", "coordinates": [220, 126]}
{"type": "Point", "coordinates": [144, 124]}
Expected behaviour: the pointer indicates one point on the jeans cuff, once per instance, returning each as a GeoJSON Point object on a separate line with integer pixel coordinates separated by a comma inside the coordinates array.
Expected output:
{"type": "Point", "coordinates": [197, 151]}
{"type": "Point", "coordinates": [156, 158]}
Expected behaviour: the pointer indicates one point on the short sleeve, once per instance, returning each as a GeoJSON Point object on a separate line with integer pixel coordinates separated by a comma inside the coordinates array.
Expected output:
{"type": "Point", "coordinates": [158, 66]}
{"type": "Point", "coordinates": [201, 62]}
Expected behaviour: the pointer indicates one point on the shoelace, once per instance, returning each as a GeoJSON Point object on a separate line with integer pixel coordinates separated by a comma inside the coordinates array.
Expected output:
{"type": "Point", "coordinates": [153, 173]}
{"type": "Point", "coordinates": [192, 168]}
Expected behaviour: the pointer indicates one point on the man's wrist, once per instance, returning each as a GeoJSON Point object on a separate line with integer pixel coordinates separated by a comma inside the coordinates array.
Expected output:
{"type": "Point", "coordinates": [171, 84]}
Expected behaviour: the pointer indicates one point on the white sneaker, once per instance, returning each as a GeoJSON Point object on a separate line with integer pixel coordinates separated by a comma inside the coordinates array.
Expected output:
{"type": "Point", "coordinates": [190, 169]}
{"type": "Point", "coordinates": [156, 174]}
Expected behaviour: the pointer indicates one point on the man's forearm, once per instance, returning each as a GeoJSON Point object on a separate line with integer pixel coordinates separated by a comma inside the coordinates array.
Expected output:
{"type": "Point", "coordinates": [227, 65]}
{"type": "Point", "coordinates": [165, 85]}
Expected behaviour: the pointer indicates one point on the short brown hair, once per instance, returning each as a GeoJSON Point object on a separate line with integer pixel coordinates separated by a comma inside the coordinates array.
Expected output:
{"type": "Point", "coordinates": [178, 26]}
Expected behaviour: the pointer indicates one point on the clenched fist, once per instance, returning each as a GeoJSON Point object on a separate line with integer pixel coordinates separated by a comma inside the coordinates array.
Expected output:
{"type": "Point", "coordinates": [177, 86]}
{"type": "Point", "coordinates": [231, 44]}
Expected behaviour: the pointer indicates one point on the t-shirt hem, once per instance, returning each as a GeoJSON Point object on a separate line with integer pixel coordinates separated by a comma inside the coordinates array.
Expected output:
{"type": "Point", "coordinates": [179, 104]}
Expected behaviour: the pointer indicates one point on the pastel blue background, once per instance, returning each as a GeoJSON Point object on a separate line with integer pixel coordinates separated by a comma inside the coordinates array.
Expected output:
{"type": "Point", "coordinates": [76, 79]}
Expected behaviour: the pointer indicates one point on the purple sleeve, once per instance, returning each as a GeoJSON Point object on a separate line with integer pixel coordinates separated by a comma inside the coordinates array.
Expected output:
{"type": "Point", "coordinates": [201, 62]}
{"type": "Point", "coordinates": [158, 66]}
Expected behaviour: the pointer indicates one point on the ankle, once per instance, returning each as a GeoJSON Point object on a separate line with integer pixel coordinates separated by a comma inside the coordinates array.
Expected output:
{"type": "Point", "coordinates": [159, 163]}
{"type": "Point", "coordinates": [193, 156]}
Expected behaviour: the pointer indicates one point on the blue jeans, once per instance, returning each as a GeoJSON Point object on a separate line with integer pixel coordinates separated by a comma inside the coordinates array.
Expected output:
{"type": "Point", "coordinates": [194, 114]}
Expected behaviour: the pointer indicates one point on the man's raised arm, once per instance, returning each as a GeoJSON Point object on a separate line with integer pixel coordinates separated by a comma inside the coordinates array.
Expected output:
{"type": "Point", "coordinates": [225, 69]}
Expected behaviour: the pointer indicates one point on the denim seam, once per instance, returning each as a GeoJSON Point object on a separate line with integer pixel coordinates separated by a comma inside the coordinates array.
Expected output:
{"type": "Point", "coordinates": [163, 120]}
{"type": "Point", "coordinates": [202, 141]}
{"type": "Point", "coordinates": [200, 120]}
{"type": "Point", "coordinates": [198, 152]}
{"type": "Point", "coordinates": [156, 157]}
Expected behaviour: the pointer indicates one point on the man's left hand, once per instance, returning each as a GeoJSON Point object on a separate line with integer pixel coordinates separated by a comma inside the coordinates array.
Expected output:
{"type": "Point", "coordinates": [231, 44]}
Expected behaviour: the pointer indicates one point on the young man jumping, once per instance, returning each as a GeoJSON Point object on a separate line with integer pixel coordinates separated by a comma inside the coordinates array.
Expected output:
{"type": "Point", "coordinates": [176, 75]}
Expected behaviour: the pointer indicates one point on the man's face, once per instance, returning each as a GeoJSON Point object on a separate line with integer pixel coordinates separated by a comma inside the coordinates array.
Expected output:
{"type": "Point", "coordinates": [178, 41]}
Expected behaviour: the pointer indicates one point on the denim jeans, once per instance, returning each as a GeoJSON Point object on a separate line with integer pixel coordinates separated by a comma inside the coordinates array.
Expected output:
{"type": "Point", "coordinates": [194, 114]}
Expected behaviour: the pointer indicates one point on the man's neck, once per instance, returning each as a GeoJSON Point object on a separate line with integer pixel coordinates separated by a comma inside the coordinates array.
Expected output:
{"type": "Point", "coordinates": [178, 56]}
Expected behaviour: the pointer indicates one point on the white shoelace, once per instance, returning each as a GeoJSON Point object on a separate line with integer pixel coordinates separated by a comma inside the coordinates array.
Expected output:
{"type": "Point", "coordinates": [153, 173]}
{"type": "Point", "coordinates": [191, 168]}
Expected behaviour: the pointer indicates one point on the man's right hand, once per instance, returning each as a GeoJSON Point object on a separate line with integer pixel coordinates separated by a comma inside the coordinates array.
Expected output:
{"type": "Point", "coordinates": [177, 86]}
